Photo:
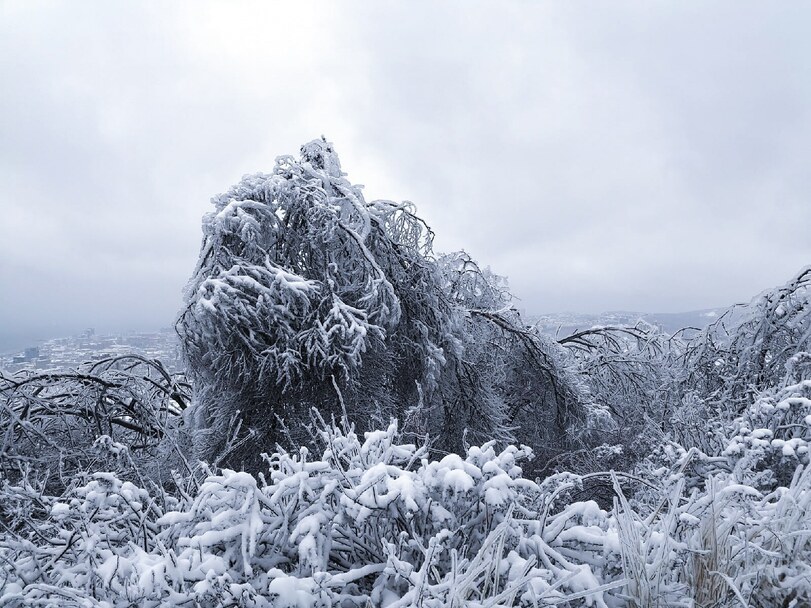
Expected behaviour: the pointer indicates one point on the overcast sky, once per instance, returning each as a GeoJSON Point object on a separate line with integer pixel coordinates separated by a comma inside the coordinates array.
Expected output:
{"type": "Point", "coordinates": [641, 156]}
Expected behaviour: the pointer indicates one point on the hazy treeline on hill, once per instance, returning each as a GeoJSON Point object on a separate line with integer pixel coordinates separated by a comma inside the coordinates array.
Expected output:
{"type": "Point", "coordinates": [363, 421]}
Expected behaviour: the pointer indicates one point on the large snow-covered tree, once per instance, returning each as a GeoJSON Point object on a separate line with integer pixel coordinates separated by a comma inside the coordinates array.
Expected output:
{"type": "Point", "coordinates": [306, 295]}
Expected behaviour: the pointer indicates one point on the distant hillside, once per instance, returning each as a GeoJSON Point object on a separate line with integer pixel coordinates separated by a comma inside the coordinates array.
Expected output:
{"type": "Point", "coordinates": [565, 323]}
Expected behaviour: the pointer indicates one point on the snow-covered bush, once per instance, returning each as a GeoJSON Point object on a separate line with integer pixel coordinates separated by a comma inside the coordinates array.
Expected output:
{"type": "Point", "coordinates": [376, 521]}
{"type": "Point", "coordinates": [762, 446]}
{"type": "Point", "coordinates": [725, 544]}
{"type": "Point", "coordinates": [773, 437]}
{"type": "Point", "coordinates": [120, 413]}
{"type": "Point", "coordinates": [365, 521]}
{"type": "Point", "coordinates": [85, 546]}
{"type": "Point", "coordinates": [739, 513]}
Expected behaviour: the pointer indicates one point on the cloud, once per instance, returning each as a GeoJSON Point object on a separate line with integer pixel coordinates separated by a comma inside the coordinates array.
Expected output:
{"type": "Point", "coordinates": [646, 157]}
{"type": "Point", "coordinates": [637, 156]}
{"type": "Point", "coordinates": [119, 123]}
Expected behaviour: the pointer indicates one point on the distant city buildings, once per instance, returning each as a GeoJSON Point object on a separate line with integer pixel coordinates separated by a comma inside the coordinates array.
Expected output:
{"type": "Point", "coordinates": [61, 354]}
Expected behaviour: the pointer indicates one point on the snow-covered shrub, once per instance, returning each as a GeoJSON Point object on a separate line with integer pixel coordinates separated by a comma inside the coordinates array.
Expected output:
{"type": "Point", "coordinates": [727, 544]}
{"type": "Point", "coordinates": [365, 521]}
{"type": "Point", "coordinates": [772, 437]}
{"type": "Point", "coordinates": [377, 521]}
{"type": "Point", "coordinates": [114, 414]}
{"type": "Point", "coordinates": [85, 546]}
{"type": "Point", "coordinates": [740, 511]}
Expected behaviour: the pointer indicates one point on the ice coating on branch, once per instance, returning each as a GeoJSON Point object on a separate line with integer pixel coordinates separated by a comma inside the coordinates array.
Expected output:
{"type": "Point", "coordinates": [321, 155]}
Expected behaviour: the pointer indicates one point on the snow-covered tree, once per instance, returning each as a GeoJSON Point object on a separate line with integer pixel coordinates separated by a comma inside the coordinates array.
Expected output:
{"type": "Point", "coordinates": [630, 370]}
{"type": "Point", "coordinates": [526, 378]}
{"type": "Point", "coordinates": [747, 348]}
{"type": "Point", "coordinates": [300, 284]}
{"type": "Point", "coordinates": [305, 295]}
{"type": "Point", "coordinates": [751, 349]}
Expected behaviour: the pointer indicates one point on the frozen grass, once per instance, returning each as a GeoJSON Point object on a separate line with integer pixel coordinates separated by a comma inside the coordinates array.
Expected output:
{"type": "Point", "coordinates": [376, 522]}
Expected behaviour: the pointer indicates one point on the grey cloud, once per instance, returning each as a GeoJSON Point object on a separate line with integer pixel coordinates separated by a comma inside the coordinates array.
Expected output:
{"type": "Point", "coordinates": [119, 123]}
{"type": "Point", "coordinates": [661, 143]}
{"type": "Point", "coordinates": [635, 156]}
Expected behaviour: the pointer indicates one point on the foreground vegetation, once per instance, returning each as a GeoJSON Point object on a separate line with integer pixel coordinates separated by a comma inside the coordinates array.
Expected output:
{"type": "Point", "coordinates": [367, 423]}
{"type": "Point", "coordinates": [377, 521]}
